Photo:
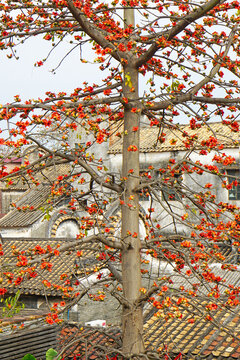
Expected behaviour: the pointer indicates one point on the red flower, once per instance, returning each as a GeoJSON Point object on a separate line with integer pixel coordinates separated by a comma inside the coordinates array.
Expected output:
{"type": "Point", "coordinates": [121, 47]}
{"type": "Point", "coordinates": [164, 288]}
{"type": "Point", "coordinates": [18, 280]}
{"type": "Point", "coordinates": [3, 291]}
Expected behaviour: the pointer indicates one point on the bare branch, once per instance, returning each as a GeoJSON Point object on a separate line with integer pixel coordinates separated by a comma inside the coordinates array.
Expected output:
{"type": "Point", "coordinates": [72, 244]}
{"type": "Point", "coordinates": [71, 158]}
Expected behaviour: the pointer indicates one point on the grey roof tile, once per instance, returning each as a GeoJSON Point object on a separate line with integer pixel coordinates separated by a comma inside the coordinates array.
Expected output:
{"type": "Point", "coordinates": [35, 198]}
{"type": "Point", "coordinates": [63, 263]}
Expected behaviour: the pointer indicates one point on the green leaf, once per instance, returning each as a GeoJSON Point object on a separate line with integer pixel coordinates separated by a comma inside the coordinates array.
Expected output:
{"type": "Point", "coordinates": [51, 354]}
{"type": "Point", "coordinates": [174, 85]}
{"type": "Point", "coordinates": [128, 80]}
{"type": "Point", "coordinates": [29, 357]}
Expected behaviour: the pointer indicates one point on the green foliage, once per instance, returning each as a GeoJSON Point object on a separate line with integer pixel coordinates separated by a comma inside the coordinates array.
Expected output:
{"type": "Point", "coordinates": [11, 305]}
{"type": "Point", "coordinates": [47, 212]}
{"type": "Point", "coordinates": [29, 357]}
{"type": "Point", "coordinates": [50, 355]}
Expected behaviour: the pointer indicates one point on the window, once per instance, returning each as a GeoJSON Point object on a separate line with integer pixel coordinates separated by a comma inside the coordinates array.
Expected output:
{"type": "Point", "coordinates": [234, 192]}
{"type": "Point", "coordinates": [170, 186]}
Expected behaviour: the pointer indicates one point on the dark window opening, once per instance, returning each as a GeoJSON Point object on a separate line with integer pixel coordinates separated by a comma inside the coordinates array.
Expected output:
{"type": "Point", "coordinates": [170, 187]}
{"type": "Point", "coordinates": [234, 192]}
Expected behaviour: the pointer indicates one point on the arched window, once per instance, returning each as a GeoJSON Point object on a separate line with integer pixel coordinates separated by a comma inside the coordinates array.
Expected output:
{"type": "Point", "coordinates": [65, 227]}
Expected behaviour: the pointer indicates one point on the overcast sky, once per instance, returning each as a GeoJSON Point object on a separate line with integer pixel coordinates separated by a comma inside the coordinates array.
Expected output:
{"type": "Point", "coordinates": [20, 77]}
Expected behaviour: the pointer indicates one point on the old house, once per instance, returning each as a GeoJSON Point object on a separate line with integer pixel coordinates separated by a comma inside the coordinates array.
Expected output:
{"type": "Point", "coordinates": [182, 328]}
{"type": "Point", "coordinates": [9, 194]}
{"type": "Point", "coordinates": [64, 223]}
{"type": "Point", "coordinates": [26, 205]}
{"type": "Point", "coordinates": [176, 143]}
{"type": "Point", "coordinates": [66, 273]}
{"type": "Point", "coordinates": [154, 156]}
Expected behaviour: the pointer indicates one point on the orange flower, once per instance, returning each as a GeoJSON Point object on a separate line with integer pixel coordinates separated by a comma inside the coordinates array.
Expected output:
{"type": "Point", "coordinates": [132, 148]}
{"type": "Point", "coordinates": [186, 244]}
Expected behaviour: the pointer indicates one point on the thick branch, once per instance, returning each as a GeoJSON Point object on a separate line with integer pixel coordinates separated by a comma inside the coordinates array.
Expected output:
{"type": "Point", "coordinates": [175, 30]}
{"type": "Point", "coordinates": [73, 244]}
{"type": "Point", "coordinates": [187, 97]}
{"type": "Point", "coordinates": [115, 272]}
{"type": "Point", "coordinates": [68, 105]}
{"type": "Point", "coordinates": [190, 95]}
{"type": "Point", "coordinates": [217, 101]}
{"type": "Point", "coordinates": [93, 32]}
{"type": "Point", "coordinates": [216, 68]}
{"type": "Point", "coordinates": [39, 31]}
{"type": "Point", "coordinates": [145, 297]}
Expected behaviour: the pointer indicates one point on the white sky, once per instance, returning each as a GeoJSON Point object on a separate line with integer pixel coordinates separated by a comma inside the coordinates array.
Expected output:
{"type": "Point", "coordinates": [20, 77]}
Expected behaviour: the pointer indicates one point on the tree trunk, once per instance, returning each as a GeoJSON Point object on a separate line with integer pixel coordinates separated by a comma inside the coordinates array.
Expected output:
{"type": "Point", "coordinates": [132, 321]}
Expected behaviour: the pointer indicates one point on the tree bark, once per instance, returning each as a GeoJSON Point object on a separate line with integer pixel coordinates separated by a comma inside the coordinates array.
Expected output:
{"type": "Point", "coordinates": [132, 321]}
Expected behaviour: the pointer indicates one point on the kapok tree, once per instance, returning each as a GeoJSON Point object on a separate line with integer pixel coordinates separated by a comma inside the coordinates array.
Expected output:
{"type": "Point", "coordinates": [166, 62]}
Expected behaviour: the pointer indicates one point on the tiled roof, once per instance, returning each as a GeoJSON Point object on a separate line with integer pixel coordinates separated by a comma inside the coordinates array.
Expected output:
{"type": "Point", "coordinates": [216, 338]}
{"type": "Point", "coordinates": [149, 138]}
{"type": "Point", "coordinates": [35, 341]}
{"type": "Point", "coordinates": [35, 197]}
{"type": "Point", "coordinates": [186, 329]}
{"type": "Point", "coordinates": [42, 175]}
{"type": "Point", "coordinates": [202, 339]}
{"type": "Point", "coordinates": [92, 343]}
{"type": "Point", "coordinates": [23, 316]}
{"type": "Point", "coordinates": [66, 263]}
